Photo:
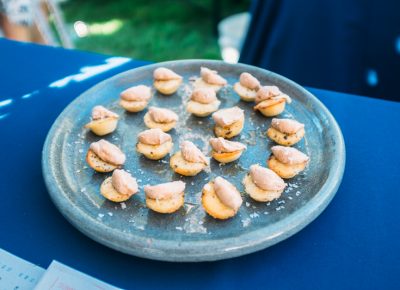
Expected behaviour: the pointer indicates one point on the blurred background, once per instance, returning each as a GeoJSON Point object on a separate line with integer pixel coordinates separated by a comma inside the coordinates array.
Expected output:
{"type": "Point", "coordinates": [150, 29]}
{"type": "Point", "coordinates": [351, 46]}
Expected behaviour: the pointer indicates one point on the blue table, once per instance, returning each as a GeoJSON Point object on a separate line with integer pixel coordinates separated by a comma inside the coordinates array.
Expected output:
{"type": "Point", "coordinates": [355, 243]}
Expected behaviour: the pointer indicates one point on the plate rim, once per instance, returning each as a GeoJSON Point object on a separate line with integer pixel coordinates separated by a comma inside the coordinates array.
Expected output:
{"type": "Point", "coordinates": [168, 250]}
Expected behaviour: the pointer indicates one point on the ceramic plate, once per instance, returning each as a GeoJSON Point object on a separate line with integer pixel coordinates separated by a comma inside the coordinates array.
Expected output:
{"type": "Point", "coordinates": [190, 234]}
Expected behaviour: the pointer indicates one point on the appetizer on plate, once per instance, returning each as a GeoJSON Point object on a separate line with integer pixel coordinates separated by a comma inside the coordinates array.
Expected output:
{"type": "Point", "coordinates": [226, 151]}
{"type": "Point", "coordinates": [221, 199]}
{"type": "Point", "coordinates": [103, 121]}
{"type": "Point", "coordinates": [210, 79]}
{"type": "Point", "coordinates": [166, 81]}
{"type": "Point", "coordinates": [135, 99]}
{"type": "Point", "coordinates": [286, 132]}
{"type": "Point", "coordinates": [270, 101]}
{"type": "Point", "coordinates": [287, 162]}
{"type": "Point", "coordinates": [189, 161]}
{"type": "Point", "coordinates": [263, 184]}
{"type": "Point", "coordinates": [119, 187]}
{"type": "Point", "coordinates": [203, 102]}
{"type": "Point", "coordinates": [228, 122]}
{"type": "Point", "coordinates": [104, 156]}
{"type": "Point", "coordinates": [164, 119]}
{"type": "Point", "coordinates": [166, 197]}
{"type": "Point", "coordinates": [154, 143]}
{"type": "Point", "coordinates": [247, 87]}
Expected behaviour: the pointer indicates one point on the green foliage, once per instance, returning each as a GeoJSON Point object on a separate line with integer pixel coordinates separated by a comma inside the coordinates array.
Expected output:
{"type": "Point", "coordinates": [154, 30]}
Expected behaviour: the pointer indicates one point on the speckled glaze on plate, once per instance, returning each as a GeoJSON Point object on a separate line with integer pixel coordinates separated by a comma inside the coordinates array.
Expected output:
{"type": "Point", "coordinates": [190, 234]}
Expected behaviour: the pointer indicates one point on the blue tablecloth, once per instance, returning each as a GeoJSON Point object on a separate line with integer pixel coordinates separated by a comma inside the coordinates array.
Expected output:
{"type": "Point", "coordinates": [355, 243]}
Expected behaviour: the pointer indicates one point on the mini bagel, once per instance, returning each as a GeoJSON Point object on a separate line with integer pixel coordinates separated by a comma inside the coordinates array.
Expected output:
{"type": "Point", "coordinates": [183, 167]}
{"type": "Point", "coordinates": [97, 164]}
{"type": "Point", "coordinates": [103, 127]}
{"type": "Point", "coordinates": [226, 157]}
{"type": "Point", "coordinates": [103, 121]}
{"type": "Point", "coordinates": [166, 81]}
{"type": "Point", "coordinates": [166, 205]}
{"type": "Point", "coordinates": [109, 192]}
{"type": "Point", "coordinates": [167, 87]}
{"type": "Point", "coordinates": [245, 94]}
{"type": "Point", "coordinates": [136, 98]}
{"type": "Point", "coordinates": [154, 152]}
{"type": "Point", "coordinates": [285, 139]}
{"type": "Point", "coordinates": [257, 193]}
{"type": "Point", "coordinates": [163, 126]}
{"type": "Point", "coordinates": [202, 110]}
{"type": "Point", "coordinates": [200, 83]}
{"type": "Point", "coordinates": [213, 205]}
{"type": "Point", "coordinates": [229, 131]}
{"type": "Point", "coordinates": [285, 170]}
{"type": "Point", "coordinates": [133, 106]}
{"type": "Point", "coordinates": [271, 107]}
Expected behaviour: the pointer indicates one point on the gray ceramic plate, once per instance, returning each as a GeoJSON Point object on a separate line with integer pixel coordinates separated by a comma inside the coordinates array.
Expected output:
{"type": "Point", "coordinates": [190, 234]}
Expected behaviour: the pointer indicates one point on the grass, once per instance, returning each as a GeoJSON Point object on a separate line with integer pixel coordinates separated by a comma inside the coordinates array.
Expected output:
{"type": "Point", "coordinates": [154, 30]}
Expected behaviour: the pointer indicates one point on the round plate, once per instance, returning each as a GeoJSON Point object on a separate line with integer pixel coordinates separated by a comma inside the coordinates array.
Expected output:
{"type": "Point", "coordinates": [190, 234]}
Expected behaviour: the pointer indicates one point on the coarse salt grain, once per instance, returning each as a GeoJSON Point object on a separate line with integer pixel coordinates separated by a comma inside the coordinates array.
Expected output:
{"type": "Point", "coordinates": [254, 215]}
{"type": "Point", "coordinates": [246, 222]}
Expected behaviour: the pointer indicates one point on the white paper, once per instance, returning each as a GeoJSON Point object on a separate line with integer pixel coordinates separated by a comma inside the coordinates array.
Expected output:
{"type": "Point", "coordinates": [60, 277]}
{"type": "Point", "coordinates": [18, 274]}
